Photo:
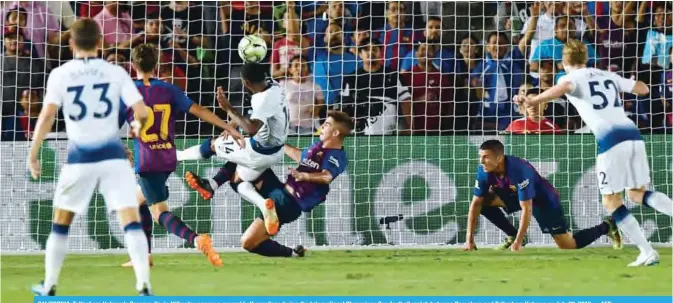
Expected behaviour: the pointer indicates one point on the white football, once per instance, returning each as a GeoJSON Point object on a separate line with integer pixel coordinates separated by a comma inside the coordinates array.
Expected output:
{"type": "Point", "coordinates": [252, 48]}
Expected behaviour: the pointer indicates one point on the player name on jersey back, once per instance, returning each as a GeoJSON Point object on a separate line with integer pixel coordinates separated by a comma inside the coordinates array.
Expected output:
{"type": "Point", "coordinates": [90, 92]}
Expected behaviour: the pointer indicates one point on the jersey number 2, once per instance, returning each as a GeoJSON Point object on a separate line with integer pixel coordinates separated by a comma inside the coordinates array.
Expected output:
{"type": "Point", "coordinates": [596, 90]}
{"type": "Point", "coordinates": [103, 87]}
{"type": "Point", "coordinates": [165, 110]}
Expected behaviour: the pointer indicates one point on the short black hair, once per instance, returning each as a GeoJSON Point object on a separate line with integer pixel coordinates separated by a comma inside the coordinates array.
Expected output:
{"type": "Point", "coordinates": [434, 18]}
{"type": "Point", "coordinates": [254, 72]}
{"type": "Point", "coordinates": [499, 34]}
{"type": "Point", "coordinates": [18, 10]}
{"type": "Point", "coordinates": [559, 18]}
{"type": "Point", "coordinates": [533, 91]}
{"type": "Point", "coordinates": [153, 16]}
{"type": "Point", "coordinates": [494, 146]}
{"type": "Point", "coordinates": [365, 43]}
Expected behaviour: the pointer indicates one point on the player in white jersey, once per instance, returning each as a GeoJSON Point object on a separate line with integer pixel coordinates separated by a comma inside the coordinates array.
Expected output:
{"type": "Point", "coordinates": [622, 162]}
{"type": "Point", "coordinates": [268, 126]}
{"type": "Point", "coordinates": [89, 90]}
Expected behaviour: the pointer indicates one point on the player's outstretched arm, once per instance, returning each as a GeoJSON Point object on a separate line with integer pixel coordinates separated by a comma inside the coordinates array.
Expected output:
{"type": "Point", "coordinates": [640, 89]}
{"type": "Point", "coordinates": [250, 126]}
{"type": "Point", "coordinates": [210, 117]}
{"type": "Point", "coordinates": [323, 177]}
{"type": "Point", "coordinates": [524, 223]}
{"type": "Point", "coordinates": [472, 220]}
{"type": "Point", "coordinates": [557, 91]}
{"type": "Point", "coordinates": [293, 152]}
{"type": "Point", "coordinates": [44, 123]}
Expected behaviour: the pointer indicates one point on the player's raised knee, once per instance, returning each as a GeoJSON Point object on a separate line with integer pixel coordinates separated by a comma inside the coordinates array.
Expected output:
{"type": "Point", "coordinates": [248, 243]}
{"type": "Point", "coordinates": [636, 195]}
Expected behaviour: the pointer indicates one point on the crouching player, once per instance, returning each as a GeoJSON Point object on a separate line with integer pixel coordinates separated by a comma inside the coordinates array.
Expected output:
{"type": "Point", "coordinates": [155, 154]}
{"type": "Point", "coordinates": [306, 186]}
{"type": "Point", "coordinates": [512, 183]}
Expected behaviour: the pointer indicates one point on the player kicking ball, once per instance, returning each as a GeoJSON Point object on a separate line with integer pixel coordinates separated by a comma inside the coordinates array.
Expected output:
{"type": "Point", "coordinates": [621, 163]}
{"type": "Point", "coordinates": [306, 187]}
{"type": "Point", "coordinates": [512, 183]}
{"type": "Point", "coordinates": [268, 126]}
{"type": "Point", "coordinates": [155, 153]}
{"type": "Point", "coordinates": [84, 88]}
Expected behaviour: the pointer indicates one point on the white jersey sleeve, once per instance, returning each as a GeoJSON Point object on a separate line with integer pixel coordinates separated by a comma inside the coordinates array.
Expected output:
{"type": "Point", "coordinates": [270, 107]}
{"type": "Point", "coordinates": [54, 93]}
{"type": "Point", "coordinates": [625, 85]}
{"type": "Point", "coordinates": [129, 92]}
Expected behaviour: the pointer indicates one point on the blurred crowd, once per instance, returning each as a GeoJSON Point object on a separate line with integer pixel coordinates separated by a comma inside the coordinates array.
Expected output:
{"type": "Point", "coordinates": [396, 67]}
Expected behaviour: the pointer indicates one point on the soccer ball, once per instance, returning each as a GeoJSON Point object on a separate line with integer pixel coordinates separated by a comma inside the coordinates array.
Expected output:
{"type": "Point", "coordinates": [252, 49]}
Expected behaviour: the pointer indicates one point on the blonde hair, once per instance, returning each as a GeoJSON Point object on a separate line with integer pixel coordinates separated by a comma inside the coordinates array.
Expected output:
{"type": "Point", "coordinates": [575, 52]}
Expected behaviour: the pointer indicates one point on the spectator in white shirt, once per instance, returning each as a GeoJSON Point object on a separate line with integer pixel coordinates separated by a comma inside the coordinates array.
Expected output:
{"type": "Point", "coordinates": [304, 98]}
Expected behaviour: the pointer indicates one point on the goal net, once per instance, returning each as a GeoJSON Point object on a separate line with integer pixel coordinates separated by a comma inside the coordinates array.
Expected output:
{"type": "Point", "coordinates": [426, 83]}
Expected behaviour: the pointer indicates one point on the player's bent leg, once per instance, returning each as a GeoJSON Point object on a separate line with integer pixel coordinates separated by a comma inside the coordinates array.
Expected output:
{"type": "Point", "coordinates": [628, 224]}
{"type": "Point", "coordinates": [491, 210]}
{"type": "Point", "coordinates": [256, 240]}
{"type": "Point", "coordinates": [197, 152]}
{"type": "Point", "coordinates": [652, 199]}
{"type": "Point", "coordinates": [136, 244]}
{"type": "Point", "coordinates": [56, 250]}
{"type": "Point", "coordinates": [586, 236]}
{"type": "Point", "coordinates": [206, 187]}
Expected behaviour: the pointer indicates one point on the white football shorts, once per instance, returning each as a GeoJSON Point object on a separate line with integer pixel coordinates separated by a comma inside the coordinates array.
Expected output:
{"type": "Point", "coordinates": [624, 166]}
{"type": "Point", "coordinates": [251, 164]}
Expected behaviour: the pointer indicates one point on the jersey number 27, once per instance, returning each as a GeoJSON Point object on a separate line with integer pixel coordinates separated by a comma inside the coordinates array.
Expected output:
{"type": "Point", "coordinates": [596, 90]}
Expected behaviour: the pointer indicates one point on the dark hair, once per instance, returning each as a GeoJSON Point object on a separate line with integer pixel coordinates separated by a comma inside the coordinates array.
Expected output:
{"type": "Point", "coordinates": [19, 10]}
{"type": "Point", "coordinates": [14, 35]}
{"type": "Point", "coordinates": [499, 34]}
{"type": "Point", "coordinates": [342, 119]}
{"type": "Point", "coordinates": [153, 16]}
{"type": "Point", "coordinates": [145, 57]}
{"type": "Point", "coordinates": [559, 18]}
{"type": "Point", "coordinates": [86, 34]}
{"type": "Point", "coordinates": [534, 91]}
{"type": "Point", "coordinates": [365, 43]}
{"type": "Point", "coordinates": [494, 146]}
{"type": "Point", "coordinates": [254, 72]}
{"type": "Point", "coordinates": [115, 51]}
{"type": "Point", "coordinates": [434, 18]}
{"type": "Point", "coordinates": [298, 57]}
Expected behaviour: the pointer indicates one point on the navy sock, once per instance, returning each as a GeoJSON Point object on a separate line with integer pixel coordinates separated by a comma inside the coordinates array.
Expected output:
{"type": "Point", "coordinates": [175, 226]}
{"type": "Point", "coordinates": [206, 151]}
{"type": "Point", "coordinates": [587, 236]}
{"type": "Point", "coordinates": [620, 213]}
{"type": "Point", "coordinates": [646, 196]}
{"type": "Point", "coordinates": [271, 248]}
{"type": "Point", "coordinates": [60, 229]}
{"type": "Point", "coordinates": [146, 222]}
{"type": "Point", "coordinates": [225, 173]}
{"type": "Point", "coordinates": [497, 217]}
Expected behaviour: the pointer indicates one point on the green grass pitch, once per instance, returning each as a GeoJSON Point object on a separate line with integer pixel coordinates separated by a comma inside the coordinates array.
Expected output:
{"type": "Point", "coordinates": [534, 271]}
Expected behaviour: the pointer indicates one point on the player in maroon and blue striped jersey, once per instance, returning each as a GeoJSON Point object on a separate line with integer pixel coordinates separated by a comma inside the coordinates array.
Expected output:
{"type": "Point", "coordinates": [155, 153]}
{"type": "Point", "coordinates": [306, 187]}
{"type": "Point", "coordinates": [512, 183]}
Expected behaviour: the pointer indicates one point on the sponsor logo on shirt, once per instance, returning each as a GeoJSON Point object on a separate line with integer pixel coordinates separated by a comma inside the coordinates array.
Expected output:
{"type": "Point", "coordinates": [333, 161]}
{"type": "Point", "coordinates": [523, 184]}
{"type": "Point", "coordinates": [310, 163]}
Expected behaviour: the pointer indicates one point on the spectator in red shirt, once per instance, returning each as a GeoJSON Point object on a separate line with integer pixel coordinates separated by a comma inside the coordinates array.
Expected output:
{"type": "Point", "coordinates": [286, 48]}
{"type": "Point", "coordinates": [534, 121]}
{"type": "Point", "coordinates": [432, 96]}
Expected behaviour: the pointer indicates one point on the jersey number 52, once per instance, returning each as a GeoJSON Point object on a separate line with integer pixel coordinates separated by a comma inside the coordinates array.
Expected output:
{"type": "Point", "coordinates": [596, 90]}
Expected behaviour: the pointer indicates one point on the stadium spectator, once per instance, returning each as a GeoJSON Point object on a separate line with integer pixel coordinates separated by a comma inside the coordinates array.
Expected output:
{"type": "Point", "coordinates": [316, 27]}
{"type": "Point", "coordinates": [64, 11]}
{"type": "Point", "coordinates": [542, 26]}
{"type": "Point", "coordinates": [89, 9]}
{"type": "Point", "coordinates": [360, 33]}
{"type": "Point", "coordinates": [431, 93]}
{"type": "Point", "coordinates": [497, 78]}
{"type": "Point", "coordinates": [41, 24]}
{"type": "Point", "coordinates": [119, 57]}
{"type": "Point", "coordinates": [466, 99]}
{"type": "Point", "coordinates": [396, 35]}
{"type": "Point", "coordinates": [553, 48]}
{"type": "Point", "coordinates": [153, 29]}
{"type": "Point", "coordinates": [115, 24]}
{"type": "Point", "coordinates": [585, 24]}
{"type": "Point", "coordinates": [304, 98]}
{"type": "Point", "coordinates": [443, 58]}
{"type": "Point", "coordinates": [31, 105]}
{"type": "Point", "coordinates": [330, 65]}
{"type": "Point", "coordinates": [288, 46]}
{"type": "Point", "coordinates": [372, 97]}
{"type": "Point", "coordinates": [617, 46]}
{"type": "Point", "coordinates": [533, 121]}
{"type": "Point", "coordinates": [183, 24]}
{"type": "Point", "coordinates": [659, 37]}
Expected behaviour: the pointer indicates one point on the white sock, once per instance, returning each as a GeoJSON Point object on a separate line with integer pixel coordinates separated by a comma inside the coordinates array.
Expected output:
{"type": "Point", "coordinates": [56, 250]}
{"type": "Point", "coordinates": [660, 202]}
{"type": "Point", "coordinates": [136, 244]}
{"type": "Point", "coordinates": [191, 153]}
{"type": "Point", "coordinates": [213, 184]}
{"type": "Point", "coordinates": [248, 192]}
{"type": "Point", "coordinates": [631, 228]}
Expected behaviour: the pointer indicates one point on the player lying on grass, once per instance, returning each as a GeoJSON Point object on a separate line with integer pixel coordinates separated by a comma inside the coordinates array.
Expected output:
{"type": "Point", "coordinates": [621, 163]}
{"type": "Point", "coordinates": [512, 183]}
{"type": "Point", "coordinates": [268, 125]}
{"type": "Point", "coordinates": [155, 154]}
